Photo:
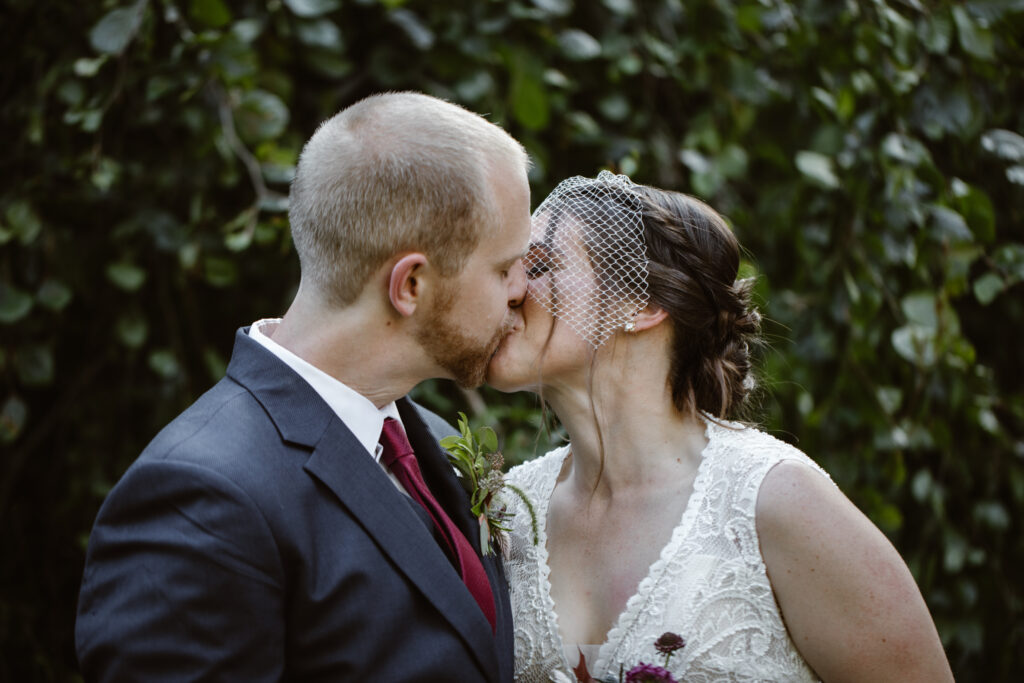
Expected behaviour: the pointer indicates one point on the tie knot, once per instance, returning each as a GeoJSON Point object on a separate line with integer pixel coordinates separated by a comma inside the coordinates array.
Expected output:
{"type": "Point", "coordinates": [395, 442]}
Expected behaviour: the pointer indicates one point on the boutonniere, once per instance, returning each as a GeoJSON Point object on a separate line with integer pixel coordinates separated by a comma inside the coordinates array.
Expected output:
{"type": "Point", "coordinates": [478, 461]}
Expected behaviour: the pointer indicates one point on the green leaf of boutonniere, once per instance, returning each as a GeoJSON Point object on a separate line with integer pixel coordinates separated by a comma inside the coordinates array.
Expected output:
{"type": "Point", "coordinates": [477, 459]}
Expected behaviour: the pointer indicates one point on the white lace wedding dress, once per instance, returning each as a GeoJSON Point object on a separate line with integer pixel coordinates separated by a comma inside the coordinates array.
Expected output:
{"type": "Point", "coordinates": [709, 585]}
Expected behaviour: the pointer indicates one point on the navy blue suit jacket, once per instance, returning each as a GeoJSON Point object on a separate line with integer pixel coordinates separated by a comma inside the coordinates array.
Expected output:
{"type": "Point", "coordinates": [255, 540]}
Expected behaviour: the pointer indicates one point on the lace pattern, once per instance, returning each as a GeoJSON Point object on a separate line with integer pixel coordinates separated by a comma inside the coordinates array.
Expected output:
{"type": "Point", "coordinates": [709, 583]}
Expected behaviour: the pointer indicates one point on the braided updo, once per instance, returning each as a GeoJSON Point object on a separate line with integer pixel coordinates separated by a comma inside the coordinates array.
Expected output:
{"type": "Point", "coordinates": [693, 263]}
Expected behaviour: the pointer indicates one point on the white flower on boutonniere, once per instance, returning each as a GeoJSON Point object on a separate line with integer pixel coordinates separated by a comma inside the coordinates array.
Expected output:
{"type": "Point", "coordinates": [476, 458]}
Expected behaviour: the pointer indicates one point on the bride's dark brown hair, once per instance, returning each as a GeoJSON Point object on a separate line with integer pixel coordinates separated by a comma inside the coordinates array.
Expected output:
{"type": "Point", "coordinates": [693, 263]}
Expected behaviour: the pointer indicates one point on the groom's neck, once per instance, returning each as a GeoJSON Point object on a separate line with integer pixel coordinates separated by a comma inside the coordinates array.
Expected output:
{"type": "Point", "coordinates": [357, 345]}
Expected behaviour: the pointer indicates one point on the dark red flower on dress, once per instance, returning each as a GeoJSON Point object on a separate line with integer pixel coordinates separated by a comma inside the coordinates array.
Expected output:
{"type": "Point", "coordinates": [669, 642]}
{"type": "Point", "coordinates": [648, 673]}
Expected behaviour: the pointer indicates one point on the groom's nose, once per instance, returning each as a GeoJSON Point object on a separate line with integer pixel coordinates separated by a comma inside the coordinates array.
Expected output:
{"type": "Point", "coordinates": [516, 284]}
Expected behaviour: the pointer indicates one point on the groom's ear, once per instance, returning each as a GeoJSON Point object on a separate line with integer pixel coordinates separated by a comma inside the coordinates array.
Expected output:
{"type": "Point", "coordinates": [405, 285]}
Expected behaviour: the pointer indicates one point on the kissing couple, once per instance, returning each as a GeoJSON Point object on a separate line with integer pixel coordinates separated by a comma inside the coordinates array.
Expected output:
{"type": "Point", "coordinates": [300, 521]}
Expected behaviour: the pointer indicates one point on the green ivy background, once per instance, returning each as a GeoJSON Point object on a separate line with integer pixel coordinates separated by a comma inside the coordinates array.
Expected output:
{"type": "Point", "coordinates": [867, 152]}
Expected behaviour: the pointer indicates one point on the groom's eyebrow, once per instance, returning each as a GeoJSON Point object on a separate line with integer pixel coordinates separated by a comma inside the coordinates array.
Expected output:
{"type": "Point", "coordinates": [509, 262]}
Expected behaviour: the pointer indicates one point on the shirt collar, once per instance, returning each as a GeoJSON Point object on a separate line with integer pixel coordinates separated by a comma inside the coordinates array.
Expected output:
{"type": "Point", "coordinates": [359, 414]}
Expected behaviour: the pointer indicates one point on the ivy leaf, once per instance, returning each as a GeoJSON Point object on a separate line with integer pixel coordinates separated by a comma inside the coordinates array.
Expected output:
{"type": "Point", "coordinates": [127, 276]}
{"type": "Point", "coordinates": [247, 30]}
{"type": "Point", "coordinates": [1005, 144]}
{"type": "Point", "coordinates": [215, 364]}
{"type": "Point", "coordinates": [34, 365]}
{"type": "Point", "coordinates": [327, 63]}
{"type": "Point", "coordinates": [320, 33]}
{"type": "Point", "coordinates": [220, 272]}
{"type": "Point", "coordinates": [1010, 258]}
{"type": "Point", "coordinates": [993, 514]}
{"type": "Point", "coordinates": [54, 295]}
{"type": "Point", "coordinates": [261, 116]}
{"type": "Point", "coordinates": [615, 107]}
{"type": "Point", "coordinates": [420, 35]}
{"type": "Point", "coordinates": [946, 110]}
{"type": "Point", "coordinates": [115, 30]}
{"type": "Point", "coordinates": [915, 344]}
{"type": "Point", "coordinates": [212, 13]}
{"type": "Point", "coordinates": [312, 8]}
{"type": "Point", "coordinates": [623, 7]}
{"type": "Point", "coordinates": [14, 304]}
{"type": "Point", "coordinates": [890, 398]}
{"type": "Point", "coordinates": [25, 223]}
{"type": "Point", "coordinates": [976, 40]}
{"type": "Point", "coordinates": [555, 8]}
{"type": "Point", "coordinates": [976, 208]}
{"type": "Point", "coordinates": [578, 45]}
{"type": "Point", "coordinates": [906, 149]}
{"type": "Point", "coordinates": [132, 331]}
{"type": "Point", "coordinates": [950, 225]}
{"type": "Point", "coordinates": [163, 363]}
{"type": "Point", "coordinates": [529, 100]}
{"type": "Point", "coordinates": [818, 168]}
{"type": "Point", "coordinates": [87, 68]}
{"type": "Point", "coordinates": [13, 416]}
{"type": "Point", "coordinates": [987, 288]}
{"type": "Point", "coordinates": [939, 33]}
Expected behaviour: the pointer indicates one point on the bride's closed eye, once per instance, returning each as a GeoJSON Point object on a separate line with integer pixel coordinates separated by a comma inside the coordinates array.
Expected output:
{"type": "Point", "coordinates": [538, 261]}
{"type": "Point", "coordinates": [536, 269]}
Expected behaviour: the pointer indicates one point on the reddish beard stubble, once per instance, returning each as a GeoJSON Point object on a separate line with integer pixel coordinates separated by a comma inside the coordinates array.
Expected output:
{"type": "Point", "coordinates": [447, 345]}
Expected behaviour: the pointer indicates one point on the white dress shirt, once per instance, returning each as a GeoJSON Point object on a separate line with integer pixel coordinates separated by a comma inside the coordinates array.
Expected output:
{"type": "Point", "coordinates": [359, 414]}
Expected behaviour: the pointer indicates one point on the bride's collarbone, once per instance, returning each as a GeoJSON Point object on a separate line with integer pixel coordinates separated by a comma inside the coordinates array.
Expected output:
{"type": "Point", "coordinates": [648, 517]}
{"type": "Point", "coordinates": [599, 553]}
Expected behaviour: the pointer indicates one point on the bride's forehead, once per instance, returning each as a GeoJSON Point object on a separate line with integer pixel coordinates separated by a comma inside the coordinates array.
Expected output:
{"type": "Point", "coordinates": [560, 230]}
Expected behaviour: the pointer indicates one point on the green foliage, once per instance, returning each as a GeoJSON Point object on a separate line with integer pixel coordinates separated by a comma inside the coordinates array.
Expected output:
{"type": "Point", "coordinates": [868, 154]}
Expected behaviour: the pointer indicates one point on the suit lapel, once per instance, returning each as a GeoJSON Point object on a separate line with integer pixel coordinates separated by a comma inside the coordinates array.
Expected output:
{"type": "Point", "coordinates": [362, 487]}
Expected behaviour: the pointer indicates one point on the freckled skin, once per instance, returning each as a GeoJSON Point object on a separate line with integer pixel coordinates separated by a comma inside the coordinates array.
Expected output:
{"type": "Point", "coordinates": [849, 601]}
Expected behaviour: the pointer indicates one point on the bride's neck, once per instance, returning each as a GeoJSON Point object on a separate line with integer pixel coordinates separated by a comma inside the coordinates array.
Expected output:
{"type": "Point", "coordinates": [626, 434]}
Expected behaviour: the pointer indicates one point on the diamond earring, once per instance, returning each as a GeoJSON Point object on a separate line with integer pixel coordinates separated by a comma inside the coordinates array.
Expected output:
{"type": "Point", "coordinates": [630, 326]}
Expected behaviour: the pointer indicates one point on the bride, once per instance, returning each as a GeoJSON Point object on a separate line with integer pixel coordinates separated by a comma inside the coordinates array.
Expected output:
{"type": "Point", "coordinates": [660, 515]}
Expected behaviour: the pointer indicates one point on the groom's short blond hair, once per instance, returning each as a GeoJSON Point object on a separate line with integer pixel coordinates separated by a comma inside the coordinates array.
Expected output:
{"type": "Point", "coordinates": [395, 172]}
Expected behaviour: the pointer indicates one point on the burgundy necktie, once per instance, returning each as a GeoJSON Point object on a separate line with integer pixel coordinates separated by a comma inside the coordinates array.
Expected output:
{"type": "Point", "coordinates": [399, 458]}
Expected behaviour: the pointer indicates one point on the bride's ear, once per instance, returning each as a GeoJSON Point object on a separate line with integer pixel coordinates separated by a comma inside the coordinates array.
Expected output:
{"type": "Point", "coordinates": [649, 317]}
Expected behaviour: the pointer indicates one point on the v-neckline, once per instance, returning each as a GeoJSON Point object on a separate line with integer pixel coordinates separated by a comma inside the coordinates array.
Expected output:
{"type": "Point", "coordinates": [638, 598]}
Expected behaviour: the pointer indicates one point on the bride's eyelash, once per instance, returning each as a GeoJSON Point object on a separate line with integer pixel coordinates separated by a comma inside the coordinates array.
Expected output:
{"type": "Point", "coordinates": [537, 269]}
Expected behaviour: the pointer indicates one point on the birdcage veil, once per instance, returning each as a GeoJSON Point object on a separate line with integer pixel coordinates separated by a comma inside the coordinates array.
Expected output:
{"type": "Point", "coordinates": [591, 242]}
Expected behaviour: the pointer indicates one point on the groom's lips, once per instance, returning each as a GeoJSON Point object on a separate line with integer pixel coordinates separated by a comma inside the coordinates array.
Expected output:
{"type": "Point", "coordinates": [509, 329]}
{"type": "Point", "coordinates": [512, 330]}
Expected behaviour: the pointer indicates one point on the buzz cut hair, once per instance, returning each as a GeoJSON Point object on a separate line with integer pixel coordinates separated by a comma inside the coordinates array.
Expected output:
{"type": "Point", "coordinates": [395, 172]}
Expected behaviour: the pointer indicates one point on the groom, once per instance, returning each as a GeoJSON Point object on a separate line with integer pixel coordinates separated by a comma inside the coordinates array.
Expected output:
{"type": "Point", "coordinates": [278, 529]}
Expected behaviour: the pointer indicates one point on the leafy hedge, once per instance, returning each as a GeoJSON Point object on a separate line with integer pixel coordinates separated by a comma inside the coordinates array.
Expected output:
{"type": "Point", "coordinates": [867, 153]}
